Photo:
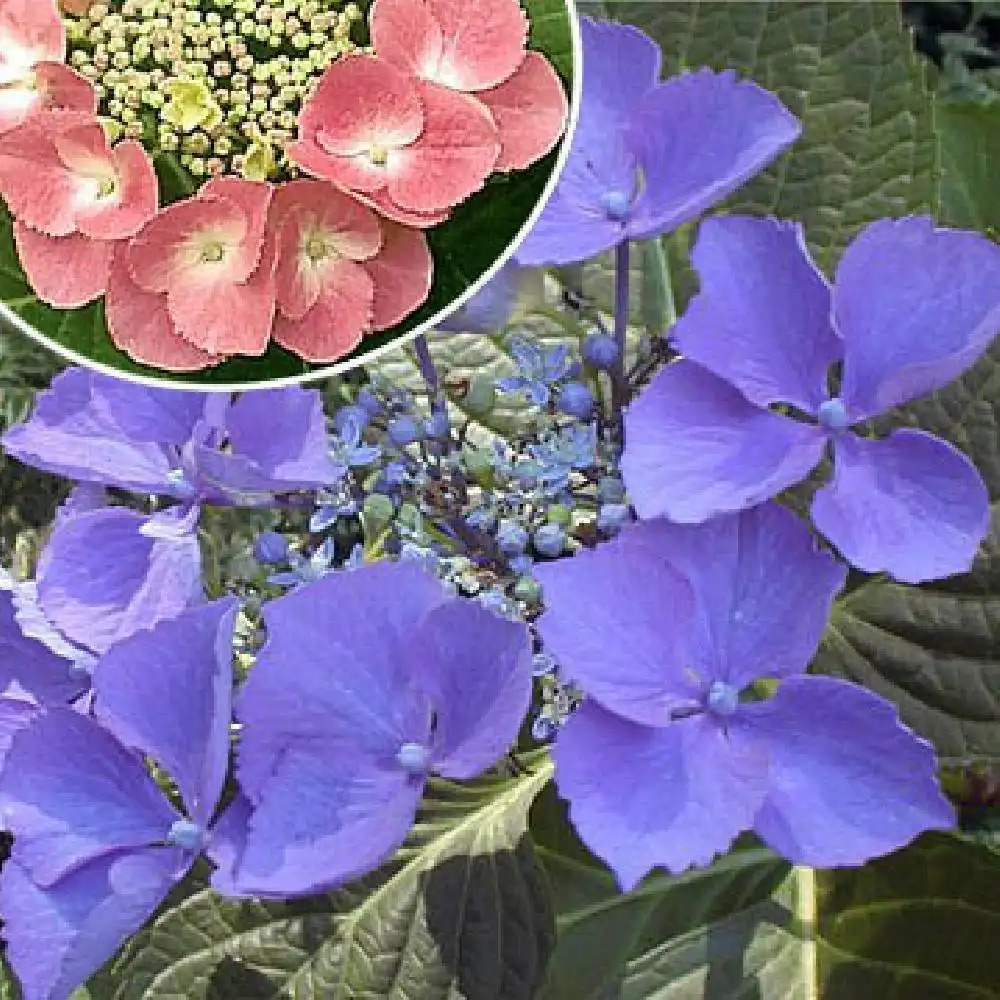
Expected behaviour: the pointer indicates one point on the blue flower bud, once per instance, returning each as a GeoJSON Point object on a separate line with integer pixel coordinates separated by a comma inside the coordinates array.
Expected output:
{"type": "Point", "coordinates": [600, 350]}
{"type": "Point", "coordinates": [616, 203]}
{"type": "Point", "coordinates": [405, 430]}
{"type": "Point", "coordinates": [438, 425]}
{"type": "Point", "coordinates": [610, 489]}
{"type": "Point", "coordinates": [511, 537]}
{"type": "Point", "coordinates": [543, 728]}
{"type": "Point", "coordinates": [612, 517]}
{"type": "Point", "coordinates": [270, 548]}
{"type": "Point", "coordinates": [349, 421]}
{"type": "Point", "coordinates": [543, 664]}
{"type": "Point", "coordinates": [576, 400]}
{"type": "Point", "coordinates": [368, 402]}
{"type": "Point", "coordinates": [550, 540]}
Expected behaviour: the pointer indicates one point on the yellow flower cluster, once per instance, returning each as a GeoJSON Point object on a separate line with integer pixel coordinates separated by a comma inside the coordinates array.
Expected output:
{"type": "Point", "coordinates": [218, 82]}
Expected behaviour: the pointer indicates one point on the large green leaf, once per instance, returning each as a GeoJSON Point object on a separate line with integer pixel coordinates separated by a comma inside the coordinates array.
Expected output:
{"type": "Point", "coordinates": [970, 151]}
{"type": "Point", "coordinates": [462, 911]}
{"type": "Point", "coordinates": [909, 927]}
{"type": "Point", "coordinates": [933, 649]}
{"type": "Point", "coordinates": [848, 71]}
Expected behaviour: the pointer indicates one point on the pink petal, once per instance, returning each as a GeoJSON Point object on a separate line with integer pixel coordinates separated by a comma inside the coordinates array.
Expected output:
{"type": "Point", "coordinates": [135, 202]}
{"type": "Point", "coordinates": [530, 109]}
{"type": "Point", "coordinates": [484, 42]}
{"type": "Point", "coordinates": [227, 317]}
{"type": "Point", "coordinates": [388, 209]}
{"type": "Point", "coordinates": [406, 33]}
{"type": "Point", "coordinates": [453, 157]}
{"type": "Point", "coordinates": [64, 271]}
{"type": "Point", "coordinates": [402, 273]}
{"type": "Point", "coordinates": [336, 322]}
{"type": "Point", "coordinates": [164, 252]}
{"type": "Point", "coordinates": [34, 181]}
{"type": "Point", "coordinates": [140, 326]}
{"type": "Point", "coordinates": [361, 102]}
{"type": "Point", "coordinates": [254, 197]}
{"type": "Point", "coordinates": [310, 212]}
{"type": "Point", "coordinates": [31, 31]}
{"type": "Point", "coordinates": [63, 87]}
{"type": "Point", "coordinates": [17, 105]}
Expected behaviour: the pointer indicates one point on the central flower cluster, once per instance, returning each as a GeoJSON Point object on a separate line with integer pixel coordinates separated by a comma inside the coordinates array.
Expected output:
{"type": "Point", "coordinates": [218, 82]}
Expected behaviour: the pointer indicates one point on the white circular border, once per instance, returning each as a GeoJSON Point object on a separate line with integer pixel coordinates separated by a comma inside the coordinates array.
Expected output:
{"type": "Point", "coordinates": [10, 317]}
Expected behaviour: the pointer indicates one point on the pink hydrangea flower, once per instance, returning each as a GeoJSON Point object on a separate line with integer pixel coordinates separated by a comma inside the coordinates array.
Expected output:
{"type": "Point", "coordinates": [209, 260]}
{"type": "Point", "coordinates": [414, 148]}
{"type": "Point", "coordinates": [340, 273]}
{"type": "Point", "coordinates": [479, 49]}
{"type": "Point", "coordinates": [32, 77]}
{"type": "Point", "coordinates": [73, 197]}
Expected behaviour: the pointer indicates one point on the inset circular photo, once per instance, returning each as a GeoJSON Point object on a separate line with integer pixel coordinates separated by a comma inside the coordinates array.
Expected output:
{"type": "Point", "coordinates": [235, 193]}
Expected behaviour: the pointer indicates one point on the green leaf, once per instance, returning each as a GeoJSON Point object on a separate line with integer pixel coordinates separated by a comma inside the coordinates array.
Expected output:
{"type": "Point", "coordinates": [910, 926]}
{"type": "Point", "coordinates": [970, 151]}
{"type": "Point", "coordinates": [550, 33]}
{"type": "Point", "coordinates": [848, 71]}
{"type": "Point", "coordinates": [933, 649]}
{"type": "Point", "coordinates": [461, 911]}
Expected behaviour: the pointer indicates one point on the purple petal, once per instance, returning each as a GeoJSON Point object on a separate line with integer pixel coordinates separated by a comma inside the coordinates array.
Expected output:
{"type": "Point", "coordinates": [70, 793]}
{"type": "Point", "coordinates": [762, 599]}
{"type": "Point", "coordinates": [337, 668]}
{"type": "Point", "coordinates": [73, 432]}
{"type": "Point", "coordinates": [17, 709]}
{"type": "Point", "coordinates": [916, 306]}
{"type": "Point", "coordinates": [617, 620]}
{"type": "Point", "coordinates": [322, 819]}
{"type": "Point", "coordinates": [58, 938]}
{"type": "Point", "coordinates": [910, 505]}
{"type": "Point", "coordinates": [643, 796]}
{"type": "Point", "coordinates": [167, 692]}
{"type": "Point", "coordinates": [30, 664]}
{"type": "Point", "coordinates": [156, 415]}
{"type": "Point", "coordinates": [762, 318]}
{"type": "Point", "coordinates": [102, 577]}
{"type": "Point", "coordinates": [283, 432]}
{"type": "Point", "coordinates": [475, 668]}
{"type": "Point", "coordinates": [698, 137]}
{"type": "Point", "coordinates": [623, 65]}
{"type": "Point", "coordinates": [489, 310]}
{"type": "Point", "coordinates": [695, 448]}
{"type": "Point", "coordinates": [847, 781]}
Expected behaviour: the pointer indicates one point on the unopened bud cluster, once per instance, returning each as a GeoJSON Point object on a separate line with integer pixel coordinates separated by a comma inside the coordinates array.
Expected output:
{"type": "Point", "coordinates": [219, 83]}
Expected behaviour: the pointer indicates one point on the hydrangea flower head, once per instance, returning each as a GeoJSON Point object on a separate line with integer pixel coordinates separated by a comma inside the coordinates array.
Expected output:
{"type": "Point", "coordinates": [667, 645]}
{"type": "Point", "coordinates": [196, 447]}
{"type": "Point", "coordinates": [74, 198]}
{"type": "Point", "coordinates": [484, 55]}
{"type": "Point", "coordinates": [413, 148]}
{"type": "Point", "coordinates": [98, 845]}
{"type": "Point", "coordinates": [209, 261]}
{"type": "Point", "coordinates": [369, 681]}
{"type": "Point", "coordinates": [648, 156]}
{"type": "Point", "coordinates": [911, 307]}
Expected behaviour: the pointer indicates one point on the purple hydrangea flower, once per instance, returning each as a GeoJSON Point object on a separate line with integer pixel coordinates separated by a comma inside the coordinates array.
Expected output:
{"type": "Point", "coordinates": [911, 308]}
{"type": "Point", "coordinates": [191, 446]}
{"type": "Point", "coordinates": [667, 644]}
{"type": "Point", "coordinates": [648, 156]}
{"type": "Point", "coordinates": [490, 309]}
{"type": "Point", "coordinates": [97, 846]}
{"type": "Point", "coordinates": [369, 681]}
